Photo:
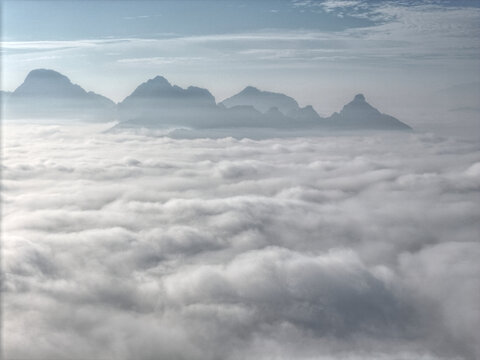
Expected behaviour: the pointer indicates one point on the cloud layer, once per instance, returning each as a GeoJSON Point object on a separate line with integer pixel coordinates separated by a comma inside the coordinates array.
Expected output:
{"type": "Point", "coordinates": [127, 246]}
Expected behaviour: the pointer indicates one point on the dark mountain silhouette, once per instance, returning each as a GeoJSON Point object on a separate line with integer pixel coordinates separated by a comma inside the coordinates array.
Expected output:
{"type": "Point", "coordinates": [360, 115]}
{"type": "Point", "coordinates": [262, 100]}
{"type": "Point", "coordinates": [49, 94]}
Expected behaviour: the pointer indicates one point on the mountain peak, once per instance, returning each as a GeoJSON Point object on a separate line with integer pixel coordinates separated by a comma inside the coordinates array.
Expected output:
{"type": "Point", "coordinates": [153, 87]}
{"type": "Point", "coordinates": [45, 77]}
{"type": "Point", "coordinates": [359, 114]}
{"type": "Point", "coordinates": [359, 104]}
{"type": "Point", "coordinates": [159, 81]}
{"type": "Point", "coordinates": [359, 97]}
{"type": "Point", "coordinates": [250, 90]}
{"type": "Point", "coordinates": [45, 74]}
{"type": "Point", "coordinates": [48, 93]}
{"type": "Point", "coordinates": [46, 82]}
{"type": "Point", "coordinates": [157, 96]}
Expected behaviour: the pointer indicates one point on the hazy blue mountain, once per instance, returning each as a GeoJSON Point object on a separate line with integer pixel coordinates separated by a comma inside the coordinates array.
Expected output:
{"type": "Point", "coordinates": [360, 115]}
{"type": "Point", "coordinates": [158, 103]}
{"type": "Point", "coordinates": [275, 106]}
{"type": "Point", "coordinates": [159, 90]}
{"type": "Point", "coordinates": [49, 94]}
{"type": "Point", "coordinates": [247, 116]}
{"type": "Point", "coordinates": [262, 100]}
{"type": "Point", "coordinates": [43, 83]}
{"type": "Point", "coordinates": [158, 115]}
{"type": "Point", "coordinates": [307, 116]}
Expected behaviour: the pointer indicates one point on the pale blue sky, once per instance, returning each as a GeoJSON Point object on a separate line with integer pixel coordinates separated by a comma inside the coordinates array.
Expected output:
{"type": "Point", "coordinates": [399, 53]}
{"type": "Point", "coordinates": [63, 20]}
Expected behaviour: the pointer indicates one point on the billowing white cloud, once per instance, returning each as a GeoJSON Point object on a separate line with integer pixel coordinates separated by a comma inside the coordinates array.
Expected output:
{"type": "Point", "coordinates": [121, 246]}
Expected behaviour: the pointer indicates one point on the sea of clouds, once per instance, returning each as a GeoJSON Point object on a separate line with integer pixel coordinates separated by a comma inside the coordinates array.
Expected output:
{"type": "Point", "coordinates": [127, 246]}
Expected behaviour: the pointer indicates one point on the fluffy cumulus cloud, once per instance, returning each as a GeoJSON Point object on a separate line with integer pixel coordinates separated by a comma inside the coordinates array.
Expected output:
{"type": "Point", "coordinates": [121, 246]}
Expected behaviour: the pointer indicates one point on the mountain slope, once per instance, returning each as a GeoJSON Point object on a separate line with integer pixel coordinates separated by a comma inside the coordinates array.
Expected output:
{"type": "Point", "coordinates": [360, 115]}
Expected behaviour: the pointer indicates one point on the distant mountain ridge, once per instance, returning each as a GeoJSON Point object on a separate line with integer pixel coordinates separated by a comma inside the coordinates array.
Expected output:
{"type": "Point", "coordinates": [157, 103]}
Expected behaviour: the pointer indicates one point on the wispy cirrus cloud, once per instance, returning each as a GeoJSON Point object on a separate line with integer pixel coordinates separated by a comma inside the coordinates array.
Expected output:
{"type": "Point", "coordinates": [329, 5]}
{"type": "Point", "coordinates": [341, 8]}
{"type": "Point", "coordinates": [55, 45]}
{"type": "Point", "coordinates": [163, 60]}
{"type": "Point", "coordinates": [405, 31]}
